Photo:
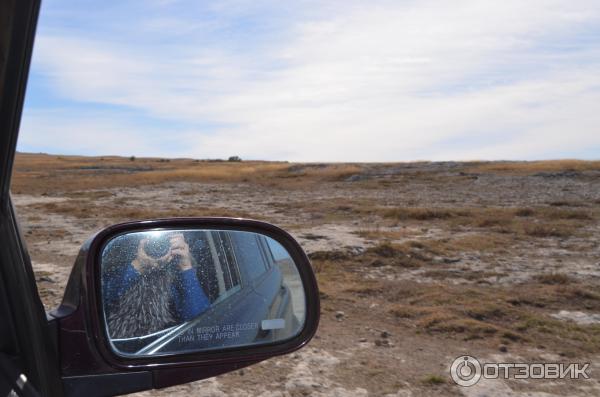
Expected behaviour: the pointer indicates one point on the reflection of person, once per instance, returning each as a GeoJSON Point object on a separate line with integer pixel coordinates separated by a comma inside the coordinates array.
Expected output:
{"type": "Point", "coordinates": [153, 292]}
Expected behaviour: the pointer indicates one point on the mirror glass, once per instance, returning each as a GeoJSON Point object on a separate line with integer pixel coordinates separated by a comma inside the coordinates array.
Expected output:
{"type": "Point", "coordinates": [178, 291]}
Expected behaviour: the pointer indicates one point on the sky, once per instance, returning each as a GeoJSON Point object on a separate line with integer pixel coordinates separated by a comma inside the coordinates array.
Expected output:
{"type": "Point", "coordinates": [318, 80]}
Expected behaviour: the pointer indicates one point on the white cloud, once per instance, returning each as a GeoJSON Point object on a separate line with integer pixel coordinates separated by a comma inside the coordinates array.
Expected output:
{"type": "Point", "coordinates": [362, 82]}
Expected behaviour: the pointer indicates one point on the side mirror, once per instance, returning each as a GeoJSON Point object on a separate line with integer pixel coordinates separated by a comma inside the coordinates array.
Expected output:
{"type": "Point", "coordinates": [156, 303]}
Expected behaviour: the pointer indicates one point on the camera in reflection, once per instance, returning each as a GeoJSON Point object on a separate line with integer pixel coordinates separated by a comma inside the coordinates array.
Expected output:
{"type": "Point", "coordinates": [157, 246]}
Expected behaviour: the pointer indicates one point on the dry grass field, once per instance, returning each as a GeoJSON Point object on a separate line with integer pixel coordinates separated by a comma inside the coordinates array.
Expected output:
{"type": "Point", "coordinates": [418, 263]}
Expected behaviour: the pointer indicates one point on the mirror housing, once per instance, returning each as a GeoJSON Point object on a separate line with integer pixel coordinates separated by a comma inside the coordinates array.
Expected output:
{"type": "Point", "coordinates": [90, 366]}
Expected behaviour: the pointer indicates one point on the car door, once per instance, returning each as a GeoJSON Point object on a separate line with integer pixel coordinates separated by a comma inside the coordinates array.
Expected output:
{"type": "Point", "coordinates": [29, 359]}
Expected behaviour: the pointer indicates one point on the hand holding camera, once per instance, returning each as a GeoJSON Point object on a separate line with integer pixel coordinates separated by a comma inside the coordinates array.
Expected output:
{"type": "Point", "coordinates": [156, 253]}
{"type": "Point", "coordinates": [180, 250]}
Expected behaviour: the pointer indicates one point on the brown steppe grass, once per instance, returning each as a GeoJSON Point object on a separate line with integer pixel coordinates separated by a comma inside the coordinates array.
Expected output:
{"type": "Point", "coordinates": [496, 314]}
{"type": "Point", "coordinates": [528, 167]}
{"type": "Point", "coordinates": [79, 173]}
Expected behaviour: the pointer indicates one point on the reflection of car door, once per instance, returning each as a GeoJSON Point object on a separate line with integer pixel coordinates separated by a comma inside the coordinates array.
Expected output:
{"type": "Point", "coordinates": [260, 277]}
{"type": "Point", "coordinates": [283, 323]}
{"type": "Point", "coordinates": [262, 284]}
{"type": "Point", "coordinates": [266, 279]}
{"type": "Point", "coordinates": [238, 264]}
{"type": "Point", "coordinates": [250, 290]}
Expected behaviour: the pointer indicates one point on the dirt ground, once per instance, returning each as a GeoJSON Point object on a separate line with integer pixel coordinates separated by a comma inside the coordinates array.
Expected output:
{"type": "Point", "coordinates": [418, 263]}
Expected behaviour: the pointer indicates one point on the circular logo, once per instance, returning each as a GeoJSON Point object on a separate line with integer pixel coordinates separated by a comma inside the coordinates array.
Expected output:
{"type": "Point", "coordinates": [465, 371]}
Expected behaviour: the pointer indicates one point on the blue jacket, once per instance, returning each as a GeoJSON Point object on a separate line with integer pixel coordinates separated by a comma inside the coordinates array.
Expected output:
{"type": "Point", "coordinates": [189, 301]}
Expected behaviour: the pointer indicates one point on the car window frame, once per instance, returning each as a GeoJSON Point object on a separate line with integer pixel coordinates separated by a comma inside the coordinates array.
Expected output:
{"type": "Point", "coordinates": [34, 334]}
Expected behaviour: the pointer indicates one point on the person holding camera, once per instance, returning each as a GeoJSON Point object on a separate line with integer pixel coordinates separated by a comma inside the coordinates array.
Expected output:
{"type": "Point", "coordinates": [159, 288]}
